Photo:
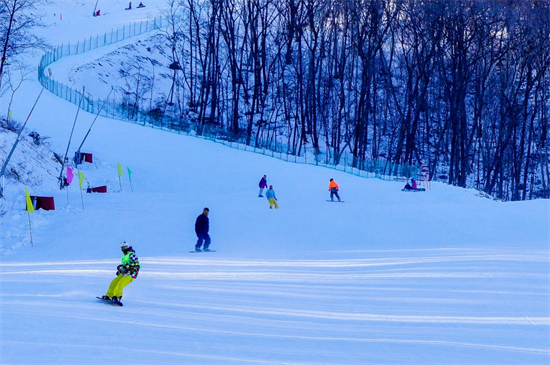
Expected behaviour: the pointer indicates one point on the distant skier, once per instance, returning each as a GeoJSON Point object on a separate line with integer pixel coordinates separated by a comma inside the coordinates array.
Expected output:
{"type": "Point", "coordinates": [262, 184]}
{"type": "Point", "coordinates": [411, 186]}
{"type": "Point", "coordinates": [202, 225]}
{"type": "Point", "coordinates": [141, 5]}
{"type": "Point", "coordinates": [271, 198]}
{"type": "Point", "coordinates": [129, 6]}
{"type": "Point", "coordinates": [98, 12]}
{"type": "Point", "coordinates": [333, 188]}
{"type": "Point", "coordinates": [127, 271]}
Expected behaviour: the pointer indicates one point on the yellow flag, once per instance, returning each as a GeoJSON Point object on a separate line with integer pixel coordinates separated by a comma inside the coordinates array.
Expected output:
{"type": "Point", "coordinates": [30, 207]}
{"type": "Point", "coordinates": [80, 179]}
{"type": "Point", "coordinates": [120, 172]}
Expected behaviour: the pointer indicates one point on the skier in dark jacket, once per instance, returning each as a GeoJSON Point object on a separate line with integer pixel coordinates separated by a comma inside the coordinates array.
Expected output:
{"type": "Point", "coordinates": [262, 184]}
{"type": "Point", "coordinates": [202, 226]}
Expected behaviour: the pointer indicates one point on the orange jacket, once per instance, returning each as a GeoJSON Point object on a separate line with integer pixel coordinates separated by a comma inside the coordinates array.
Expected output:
{"type": "Point", "coordinates": [333, 185]}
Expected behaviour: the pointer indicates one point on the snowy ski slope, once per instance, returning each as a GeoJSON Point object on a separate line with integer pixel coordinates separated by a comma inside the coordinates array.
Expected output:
{"type": "Point", "coordinates": [442, 277]}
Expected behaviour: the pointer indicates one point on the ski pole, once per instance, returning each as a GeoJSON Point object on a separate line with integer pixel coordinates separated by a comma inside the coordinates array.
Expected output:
{"type": "Point", "coordinates": [16, 142]}
{"type": "Point", "coordinates": [93, 122]}
{"type": "Point", "coordinates": [69, 144]}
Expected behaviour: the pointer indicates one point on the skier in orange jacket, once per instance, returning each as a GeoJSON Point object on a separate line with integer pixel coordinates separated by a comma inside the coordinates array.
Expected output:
{"type": "Point", "coordinates": [333, 188]}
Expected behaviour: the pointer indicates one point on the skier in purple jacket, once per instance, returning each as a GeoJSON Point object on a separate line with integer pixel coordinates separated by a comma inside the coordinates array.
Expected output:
{"type": "Point", "coordinates": [262, 185]}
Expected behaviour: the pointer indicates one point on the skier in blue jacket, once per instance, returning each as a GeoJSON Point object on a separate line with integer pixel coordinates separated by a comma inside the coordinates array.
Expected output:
{"type": "Point", "coordinates": [271, 198]}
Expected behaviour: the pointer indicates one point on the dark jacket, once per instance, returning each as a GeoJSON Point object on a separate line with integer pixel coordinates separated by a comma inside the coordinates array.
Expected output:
{"type": "Point", "coordinates": [263, 183]}
{"type": "Point", "coordinates": [202, 224]}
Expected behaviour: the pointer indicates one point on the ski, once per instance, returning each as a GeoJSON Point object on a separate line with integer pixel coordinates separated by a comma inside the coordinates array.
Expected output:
{"type": "Point", "coordinates": [202, 251]}
{"type": "Point", "coordinates": [111, 302]}
{"type": "Point", "coordinates": [335, 201]}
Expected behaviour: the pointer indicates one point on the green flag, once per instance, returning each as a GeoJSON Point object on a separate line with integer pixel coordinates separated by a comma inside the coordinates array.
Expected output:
{"type": "Point", "coordinates": [10, 115]}
{"type": "Point", "coordinates": [129, 174]}
{"type": "Point", "coordinates": [30, 207]}
{"type": "Point", "coordinates": [120, 172]}
{"type": "Point", "coordinates": [80, 179]}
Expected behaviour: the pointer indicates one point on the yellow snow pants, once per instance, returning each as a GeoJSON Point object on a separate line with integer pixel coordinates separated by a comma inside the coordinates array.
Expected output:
{"type": "Point", "coordinates": [271, 202]}
{"type": "Point", "coordinates": [118, 284]}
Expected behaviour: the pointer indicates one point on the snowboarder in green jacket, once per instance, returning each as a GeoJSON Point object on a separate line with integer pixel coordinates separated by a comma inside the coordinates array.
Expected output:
{"type": "Point", "coordinates": [127, 271]}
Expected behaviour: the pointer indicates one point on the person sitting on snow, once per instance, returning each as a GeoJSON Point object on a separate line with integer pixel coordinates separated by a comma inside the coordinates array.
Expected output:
{"type": "Point", "coordinates": [412, 185]}
{"type": "Point", "coordinates": [127, 271]}
{"type": "Point", "coordinates": [141, 5]}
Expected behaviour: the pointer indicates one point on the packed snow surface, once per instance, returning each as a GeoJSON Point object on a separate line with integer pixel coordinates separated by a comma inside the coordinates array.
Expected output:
{"type": "Point", "coordinates": [441, 277]}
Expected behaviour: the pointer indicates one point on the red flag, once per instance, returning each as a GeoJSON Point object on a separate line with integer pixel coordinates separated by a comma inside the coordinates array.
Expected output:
{"type": "Point", "coordinates": [69, 175]}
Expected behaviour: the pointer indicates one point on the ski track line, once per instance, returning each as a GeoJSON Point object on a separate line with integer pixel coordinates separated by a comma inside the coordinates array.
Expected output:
{"type": "Point", "coordinates": [341, 316]}
{"type": "Point", "coordinates": [290, 276]}
{"type": "Point", "coordinates": [521, 257]}
{"type": "Point", "coordinates": [118, 349]}
{"type": "Point", "coordinates": [318, 338]}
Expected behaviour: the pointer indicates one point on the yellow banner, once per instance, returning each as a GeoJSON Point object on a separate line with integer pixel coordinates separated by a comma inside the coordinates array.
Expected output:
{"type": "Point", "coordinates": [30, 207]}
{"type": "Point", "coordinates": [80, 179]}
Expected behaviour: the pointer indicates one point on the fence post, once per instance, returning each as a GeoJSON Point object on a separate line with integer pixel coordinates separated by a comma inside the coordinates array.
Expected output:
{"type": "Point", "coordinates": [140, 26]}
{"type": "Point", "coordinates": [345, 161]}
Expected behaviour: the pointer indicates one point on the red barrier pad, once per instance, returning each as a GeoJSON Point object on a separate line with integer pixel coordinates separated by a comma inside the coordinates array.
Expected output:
{"type": "Point", "coordinates": [88, 157]}
{"type": "Point", "coordinates": [99, 189]}
{"type": "Point", "coordinates": [83, 157]}
{"type": "Point", "coordinates": [43, 202]}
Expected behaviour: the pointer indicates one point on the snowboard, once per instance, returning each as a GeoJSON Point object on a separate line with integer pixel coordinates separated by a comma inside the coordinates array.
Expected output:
{"type": "Point", "coordinates": [413, 190]}
{"type": "Point", "coordinates": [202, 251]}
{"type": "Point", "coordinates": [335, 201]}
{"type": "Point", "coordinates": [110, 302]}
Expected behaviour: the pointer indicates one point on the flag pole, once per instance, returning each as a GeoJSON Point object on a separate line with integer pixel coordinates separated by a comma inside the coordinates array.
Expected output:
{"type": "Point", "coordinates": [82, 198]}
{"type": "Point", "coordinates": [80, 180]}
{"type": "Point", "coordinates": [30, 230]}
{"type": "Point", "coordinates": [130, 178]}
{"type": "Point", "coordinates": [120, 173]}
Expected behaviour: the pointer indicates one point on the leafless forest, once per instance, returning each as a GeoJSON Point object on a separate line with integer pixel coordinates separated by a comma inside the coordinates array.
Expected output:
{"type": "Point", "coordinates": [460, 86]}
